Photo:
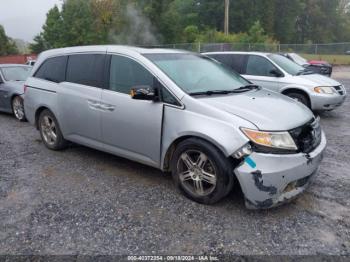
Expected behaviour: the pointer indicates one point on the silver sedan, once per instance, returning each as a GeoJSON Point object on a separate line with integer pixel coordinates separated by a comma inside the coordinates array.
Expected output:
{"type": "Point", "coordinates": [12, 77]}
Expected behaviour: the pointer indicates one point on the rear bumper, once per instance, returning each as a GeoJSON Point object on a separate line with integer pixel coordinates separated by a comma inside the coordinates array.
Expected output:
{"type": "Point", "coordinates": [28, 111]}
{"type": "Point", "coordinates": [277, 179]}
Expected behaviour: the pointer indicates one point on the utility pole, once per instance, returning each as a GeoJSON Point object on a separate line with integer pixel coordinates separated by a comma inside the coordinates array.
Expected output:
{"type": "Point", "coordinates": [226, 25]}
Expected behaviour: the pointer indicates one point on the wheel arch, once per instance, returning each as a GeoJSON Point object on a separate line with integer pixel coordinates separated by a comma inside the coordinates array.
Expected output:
{"type": "Point", "coordinates": [165, 163]}
{"type": "Point", "coordinates": [38, 112]}
{"type": "Point", "coordinates": [13, 97]}
{"type": "Point", "coordinates": [297, 90]}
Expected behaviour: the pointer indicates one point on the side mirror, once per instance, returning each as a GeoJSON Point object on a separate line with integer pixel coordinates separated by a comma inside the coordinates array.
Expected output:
{"type": "Point", "coordinates": [276, 73]}
{"type": "Point", "coordinates": [144, 93]}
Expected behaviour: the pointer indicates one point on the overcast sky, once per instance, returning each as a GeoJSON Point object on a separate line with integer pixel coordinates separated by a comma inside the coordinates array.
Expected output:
{"type": "Point", "coordinates": [23, 19]}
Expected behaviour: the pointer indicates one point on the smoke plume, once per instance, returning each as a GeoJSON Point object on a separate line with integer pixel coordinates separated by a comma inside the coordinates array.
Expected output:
{"type": "Point", "coordinates": [138, 29]}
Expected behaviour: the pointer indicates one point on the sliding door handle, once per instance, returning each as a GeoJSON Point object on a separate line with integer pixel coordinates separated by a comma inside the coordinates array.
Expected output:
{"type": "Point", "coordinates": [107, 107]}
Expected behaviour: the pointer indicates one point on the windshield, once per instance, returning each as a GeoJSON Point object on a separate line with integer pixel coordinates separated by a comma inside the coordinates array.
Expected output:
{"type": "Point", "coordinates": [196, 73]}
{"type": "Point", "coordinates": [298, 59]}
{"type": "Point", "coordinates": [16, 73]}
{"type": "Point", "coordinates": [287, 65]}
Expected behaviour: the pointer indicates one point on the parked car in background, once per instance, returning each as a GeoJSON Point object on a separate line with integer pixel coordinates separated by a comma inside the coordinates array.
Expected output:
{"type": "Point", "coordinates": [12, 77]}
{"type": "Point", "coordinates": [277, 73]}
{"type": "Point", "coordinates": [317, 66]}
{"type": "Point", "coordinates": [180, 112]}
{"type": "Point", "coordinates": [347, 52]}
{"type": "Point", "coordinates": [31, 62]}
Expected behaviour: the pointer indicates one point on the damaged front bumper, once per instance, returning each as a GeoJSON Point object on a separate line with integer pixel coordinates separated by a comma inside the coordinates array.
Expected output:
{"type": "Point", "coordinates": [277, 179]}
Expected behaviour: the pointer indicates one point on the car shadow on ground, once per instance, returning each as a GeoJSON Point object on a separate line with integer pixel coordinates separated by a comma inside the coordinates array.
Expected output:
{"type": "Point", "coordinates": [146, 175]}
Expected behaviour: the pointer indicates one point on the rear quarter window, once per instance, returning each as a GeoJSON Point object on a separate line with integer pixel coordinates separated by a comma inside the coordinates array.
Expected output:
{"type": "Point", "coordinates": [52, 69]}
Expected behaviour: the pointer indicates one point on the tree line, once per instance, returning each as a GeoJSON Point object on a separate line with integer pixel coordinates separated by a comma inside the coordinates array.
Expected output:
{"type": "Point", "coordinates": [150, 22]}
{"type": "Point", "coordinates": [7, 45]}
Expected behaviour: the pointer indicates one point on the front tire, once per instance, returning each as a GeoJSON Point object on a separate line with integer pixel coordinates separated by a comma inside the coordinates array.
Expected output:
{"type": "Point", "coordinates": [50, 131]}
{"type": "Point", "coordinates": [201, 172]}
{"type": "Point", "coordinates": [300, 98]}
{"type": "Point", "coordinates": [18, 108]}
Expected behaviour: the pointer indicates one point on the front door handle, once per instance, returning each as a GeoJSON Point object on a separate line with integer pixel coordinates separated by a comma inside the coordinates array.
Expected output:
{"type": "Point", "coordinates": [93, 104]}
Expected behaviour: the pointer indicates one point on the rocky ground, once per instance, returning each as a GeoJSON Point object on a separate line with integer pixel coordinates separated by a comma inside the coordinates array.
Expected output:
{"type": "Point", "coordinates": [82, 201]}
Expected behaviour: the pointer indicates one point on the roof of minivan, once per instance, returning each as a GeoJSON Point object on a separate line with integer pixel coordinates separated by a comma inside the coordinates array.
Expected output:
{"type": "Point", "coordinates": [238, 52]}
{"type": "Point", "coordinates": [112, 48]}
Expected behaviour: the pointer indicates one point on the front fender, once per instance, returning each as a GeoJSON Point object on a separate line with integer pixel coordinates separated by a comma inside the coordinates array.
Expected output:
{"type": "Point", "coordinates": [182, 123]}
{"type": "Point", "coordinates": [302, 88]}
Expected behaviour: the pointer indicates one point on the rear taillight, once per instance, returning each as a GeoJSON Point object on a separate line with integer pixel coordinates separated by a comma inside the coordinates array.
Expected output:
{"type": "Point", "coordinates": [25, 88]}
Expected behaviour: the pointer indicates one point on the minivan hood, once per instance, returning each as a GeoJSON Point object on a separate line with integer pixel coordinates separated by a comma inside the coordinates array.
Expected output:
{"type": "Point", "coordinates": [317, 80]}
{"type": "Point", "coordinates": [267, 110]}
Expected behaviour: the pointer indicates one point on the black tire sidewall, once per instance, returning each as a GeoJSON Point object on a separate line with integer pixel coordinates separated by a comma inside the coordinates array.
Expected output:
{"type": "Point", "coordinates": [222, 166]}
{"type": "Point", "coordinates": [302, 98]}
{"type": "Point", "coordinates": [60, 142]}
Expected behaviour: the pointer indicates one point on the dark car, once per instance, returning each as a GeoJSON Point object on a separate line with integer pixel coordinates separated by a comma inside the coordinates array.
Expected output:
{"type": "Point", "coordinates": [317, 66]}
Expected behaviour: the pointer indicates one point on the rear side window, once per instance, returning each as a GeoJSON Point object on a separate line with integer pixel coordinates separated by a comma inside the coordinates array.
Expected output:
{"type": "Point", "coordinates": [53, 69]}
{"type": "Point", "coordinates": [235, 62]}
{"type": "Point", "coordinates": [259, 66]}
{"type": "Point", "coordinates": [126, 73]}
{"type": "Point", "coordinates": [86, 69]}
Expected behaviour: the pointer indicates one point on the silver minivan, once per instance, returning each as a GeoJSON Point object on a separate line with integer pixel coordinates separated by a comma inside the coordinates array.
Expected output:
{"type": "Point", "coordinates": [277, 73]}
{"type": "Point", "coordinates": [180, 112]}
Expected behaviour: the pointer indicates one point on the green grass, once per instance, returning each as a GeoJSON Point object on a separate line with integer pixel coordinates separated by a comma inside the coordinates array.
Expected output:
{"type": "Point", "coordinates": [333, 59]}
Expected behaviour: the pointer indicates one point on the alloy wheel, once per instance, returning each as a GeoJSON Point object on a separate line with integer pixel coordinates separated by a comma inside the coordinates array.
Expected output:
{"type": "Point", "coordinates": [18, 108]}
{"type": "Point", "coordinates": [197, 173]}
{"type": "Point", "coordinates": [48, 129]}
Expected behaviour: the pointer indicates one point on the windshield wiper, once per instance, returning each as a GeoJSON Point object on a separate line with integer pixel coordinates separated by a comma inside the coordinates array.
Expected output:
{"type": "Point", "coordinates": [247, 87]}
{"type": "Point", "coordinates": [225, 92]}
{"type": "Point", "coordinates": [211, 92]}
{"type": "Point", "coordinates": [305, 72]}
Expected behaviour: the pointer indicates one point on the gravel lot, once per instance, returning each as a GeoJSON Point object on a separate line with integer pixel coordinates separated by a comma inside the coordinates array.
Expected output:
{"type": "Point", "coordinates": [82, 201]}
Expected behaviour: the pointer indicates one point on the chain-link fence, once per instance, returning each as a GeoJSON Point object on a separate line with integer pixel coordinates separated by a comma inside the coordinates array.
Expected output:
{"type": "Point", "coordinates": [319, 49]}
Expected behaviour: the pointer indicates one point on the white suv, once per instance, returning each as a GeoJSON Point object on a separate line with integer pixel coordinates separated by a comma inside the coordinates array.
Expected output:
{"type": "Point", "coordinates": [278, 73]}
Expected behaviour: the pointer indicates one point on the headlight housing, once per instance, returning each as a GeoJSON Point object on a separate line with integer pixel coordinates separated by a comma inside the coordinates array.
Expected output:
{"type": "Point", "coordinates": [272, 140]}
{"type": "Point", "coordinates": [324, 90]}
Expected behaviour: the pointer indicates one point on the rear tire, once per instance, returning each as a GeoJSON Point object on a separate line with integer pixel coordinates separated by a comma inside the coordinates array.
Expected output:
{"type": "Point", "coordinates": [50, 131]}
{"type": "Point", "coordinates": [300, 98]}
{"type": "Point", "coordinates": [201, 172]}
{"type": "Point", "coordinates": [18, 108]}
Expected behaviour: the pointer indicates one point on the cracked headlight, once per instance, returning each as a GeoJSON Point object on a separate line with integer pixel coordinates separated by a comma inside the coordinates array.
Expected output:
{"type": "Point", "coordinates": [324, 90]}
{"type": "Point", "coordinates": [280, 140]}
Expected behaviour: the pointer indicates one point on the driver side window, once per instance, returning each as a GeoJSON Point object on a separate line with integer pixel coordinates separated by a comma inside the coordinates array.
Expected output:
{"type": "Point", "coordinates": [126, 73]}
{"type": "Point", "coordinates": [259, 66]}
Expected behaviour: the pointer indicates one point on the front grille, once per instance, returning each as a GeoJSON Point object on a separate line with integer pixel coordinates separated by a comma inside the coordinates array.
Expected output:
{"type": "Point", "coordinates": [308, 136]}
{"type": "Point", "coordinates": [339, 89]}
